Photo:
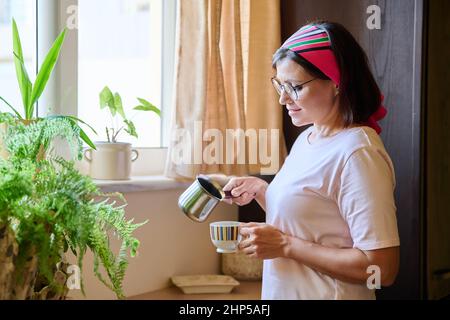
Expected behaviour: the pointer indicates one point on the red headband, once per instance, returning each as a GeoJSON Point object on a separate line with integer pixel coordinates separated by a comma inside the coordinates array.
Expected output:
{"type": "Point", "coordinates": [314, 45]}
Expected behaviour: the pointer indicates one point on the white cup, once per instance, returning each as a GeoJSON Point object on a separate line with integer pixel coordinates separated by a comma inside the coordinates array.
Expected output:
{"type": "Point", "coordinates": [225, 236]}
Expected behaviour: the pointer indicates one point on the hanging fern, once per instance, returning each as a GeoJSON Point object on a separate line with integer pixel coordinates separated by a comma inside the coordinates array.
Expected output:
{"type": "Point", "coordinates": [52, 208]}
{"type": "Point", "coordinates": [24, 141]}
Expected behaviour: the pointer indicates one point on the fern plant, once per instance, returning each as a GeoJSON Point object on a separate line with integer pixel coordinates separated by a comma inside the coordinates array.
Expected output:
{"type": "Point", "coordinates": [49, 207]}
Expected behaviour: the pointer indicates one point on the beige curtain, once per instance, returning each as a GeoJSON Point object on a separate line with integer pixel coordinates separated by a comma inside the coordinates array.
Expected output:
{"type": "Point", "coordinates": [222, 82]}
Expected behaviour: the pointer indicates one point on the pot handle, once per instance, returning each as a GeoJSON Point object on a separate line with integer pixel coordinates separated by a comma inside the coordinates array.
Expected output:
{"type": "Point", "coordinates": [136, 155]}
{"type": "Point", "coordinates": [88, 158]}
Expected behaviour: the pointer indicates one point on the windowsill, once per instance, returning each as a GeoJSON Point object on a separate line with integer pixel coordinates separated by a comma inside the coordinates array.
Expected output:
{"type": "Point", "coordinates": [140, 184]}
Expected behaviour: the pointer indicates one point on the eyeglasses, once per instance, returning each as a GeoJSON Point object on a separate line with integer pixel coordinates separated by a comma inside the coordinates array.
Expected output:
{"type": "Point", "coordinates": [293, 92]}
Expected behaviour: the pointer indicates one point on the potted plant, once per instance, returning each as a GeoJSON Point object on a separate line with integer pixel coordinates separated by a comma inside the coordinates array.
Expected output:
{"type": "Point", "coordinates": [48, 208]}
{"type": "Point", "coordinates": [111, 159]}
{"type": "Point", "coordinates": [31, 92]}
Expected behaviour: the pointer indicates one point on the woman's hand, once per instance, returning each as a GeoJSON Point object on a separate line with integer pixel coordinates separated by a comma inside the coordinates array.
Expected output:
{"type": "Point", "coordinates": [245, 189]}
{"type": "Point", "coordinates": [262, 241]}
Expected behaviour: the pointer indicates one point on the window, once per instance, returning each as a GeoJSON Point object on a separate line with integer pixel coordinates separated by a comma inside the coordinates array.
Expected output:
{"type": "Point", "coordinates": [24, 12]}
{"type": "Point", "coordinates": [120, 45]}
{"type": "Point", "coordinates": [128, 45]}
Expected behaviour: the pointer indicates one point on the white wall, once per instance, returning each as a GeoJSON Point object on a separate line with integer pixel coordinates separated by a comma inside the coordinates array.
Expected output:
{"type": "Point", "coordinates": [171, 244]}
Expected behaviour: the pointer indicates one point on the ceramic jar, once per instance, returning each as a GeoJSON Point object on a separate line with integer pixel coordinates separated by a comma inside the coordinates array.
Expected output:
{"type": "Point", "coordinates": [111, 161]}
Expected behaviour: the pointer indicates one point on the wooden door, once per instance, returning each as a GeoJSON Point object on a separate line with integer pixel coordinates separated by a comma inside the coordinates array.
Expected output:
{"type": "Point", "coordinates": [395, 54]}
{"type": "Point", "coordinates": [437, 148]}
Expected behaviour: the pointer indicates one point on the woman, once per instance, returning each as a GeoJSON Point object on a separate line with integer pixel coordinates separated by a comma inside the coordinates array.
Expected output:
{"type": "Point", "coordinates": [330, 211]}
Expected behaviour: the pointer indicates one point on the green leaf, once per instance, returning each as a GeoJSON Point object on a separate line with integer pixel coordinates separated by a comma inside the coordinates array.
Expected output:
{"type": "Point", "coordinates": [46, 69]}
{"type": "Point", "coordinates": [134, 246]}
{"type": "Point", "coordinates": [119, 105]}
{"type": "Point", "coordinates": [131, 129]}
{"type": "Point", "coordinates": [106, 98]}
{"type": "Point", "coordinates": [79, 120]}
{"type": "Point", "coordinates": [73, 120]}
{"type": "Point", "coordinates": [147, 106]}
{"type": "Point", "coordinates": [26, 84]}
{"type": "Point", "coordinates": [12, 108]}
{"type": "Point", "coordinates": [21, 72]}
{"type": "Point", "coordinates": [86, 139]}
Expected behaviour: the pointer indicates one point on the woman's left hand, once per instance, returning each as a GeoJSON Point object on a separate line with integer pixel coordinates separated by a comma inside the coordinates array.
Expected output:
{"type": "Point", "coordinates": [262, 241]}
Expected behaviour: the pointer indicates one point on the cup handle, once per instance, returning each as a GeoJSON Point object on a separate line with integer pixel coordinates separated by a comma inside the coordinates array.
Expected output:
{"type": "Point", "coordinates": [136, 155]}
{"type": "Point", "coordinates": [86, 153]}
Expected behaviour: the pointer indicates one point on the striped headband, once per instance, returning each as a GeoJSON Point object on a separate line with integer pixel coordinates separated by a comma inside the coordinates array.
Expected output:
{"type": "Point", "coordinates": [314, 44]}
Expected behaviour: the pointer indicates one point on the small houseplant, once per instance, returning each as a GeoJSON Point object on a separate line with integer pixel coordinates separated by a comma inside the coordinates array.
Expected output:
{"type": "Point", "coordinates": [112, 159]}
{"type": "Point", "coordinates": [31, 92]}
{"type": "Point", "coordinates": [48, 208]}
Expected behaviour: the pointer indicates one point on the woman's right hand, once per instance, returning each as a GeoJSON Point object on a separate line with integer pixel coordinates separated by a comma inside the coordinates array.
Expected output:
{"type": "Point", "coordinates": [245, 189]}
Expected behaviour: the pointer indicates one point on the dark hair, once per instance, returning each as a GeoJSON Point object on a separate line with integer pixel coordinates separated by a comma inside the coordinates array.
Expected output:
{"type": "Point", "coordinates": [359, 94]}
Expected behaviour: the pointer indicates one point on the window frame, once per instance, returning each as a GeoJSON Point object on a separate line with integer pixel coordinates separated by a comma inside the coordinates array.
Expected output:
{"type": "Point", "coordinates": [51, 18]}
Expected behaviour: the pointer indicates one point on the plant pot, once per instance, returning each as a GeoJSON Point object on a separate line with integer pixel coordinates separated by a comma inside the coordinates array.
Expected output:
{"type": "Point", "coordinates": [111, 161]}
{"type": "Point", "coordinates": [58, 290]}
{"type": "Point", "coordinates": [15, 285]}
{"type": "Point", "coordinates": [21, 285]}
{"type": "Point", "coordinates": [8, 253]}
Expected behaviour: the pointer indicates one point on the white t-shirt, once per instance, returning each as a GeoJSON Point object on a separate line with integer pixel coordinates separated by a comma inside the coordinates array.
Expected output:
{"type": "Point", "coordinates": [337, 192]}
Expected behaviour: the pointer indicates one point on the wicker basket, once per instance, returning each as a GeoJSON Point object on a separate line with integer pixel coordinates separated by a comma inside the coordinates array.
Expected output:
{"type": "Point", "coordinates": [241, 267]}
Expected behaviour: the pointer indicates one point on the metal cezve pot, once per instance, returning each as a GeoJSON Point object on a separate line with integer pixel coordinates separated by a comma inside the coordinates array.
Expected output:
{"type": "Point", "coordinates": [200, 199]}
